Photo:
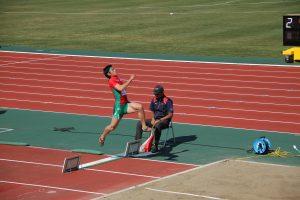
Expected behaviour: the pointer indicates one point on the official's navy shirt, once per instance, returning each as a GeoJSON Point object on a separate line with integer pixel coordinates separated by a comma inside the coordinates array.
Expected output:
{"type": "Point", "coordinates": [161, 107]}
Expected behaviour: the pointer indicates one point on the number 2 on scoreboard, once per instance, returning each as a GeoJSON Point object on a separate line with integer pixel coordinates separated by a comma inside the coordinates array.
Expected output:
{"type": "Point", "coordinates": [289, 22]}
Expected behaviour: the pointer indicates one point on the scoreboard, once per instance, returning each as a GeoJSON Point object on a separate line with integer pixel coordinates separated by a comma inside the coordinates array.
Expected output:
{"type": "Point", "coordinates": [291, 30]}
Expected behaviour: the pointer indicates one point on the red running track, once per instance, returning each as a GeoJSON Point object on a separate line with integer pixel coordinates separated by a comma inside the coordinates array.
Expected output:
{"type": "Point", "coordinates": [256, 97]}
{"type": "Point", "coordinates": [35, 173]}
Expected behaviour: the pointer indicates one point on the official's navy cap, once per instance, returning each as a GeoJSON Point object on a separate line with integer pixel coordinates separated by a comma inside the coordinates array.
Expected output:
{"type": "Point", "coordinates": [158, 90]}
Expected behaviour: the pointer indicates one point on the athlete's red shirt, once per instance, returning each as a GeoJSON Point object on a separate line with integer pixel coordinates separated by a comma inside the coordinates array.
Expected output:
{"type": "Point", "coordinates": [120, 97]}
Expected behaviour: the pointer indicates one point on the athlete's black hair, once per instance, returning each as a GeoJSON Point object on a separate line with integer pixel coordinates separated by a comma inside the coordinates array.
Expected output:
{"type": "Point", "coordinates": [106, 71]}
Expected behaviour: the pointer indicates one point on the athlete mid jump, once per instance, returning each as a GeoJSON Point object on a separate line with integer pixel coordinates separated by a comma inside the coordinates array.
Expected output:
{"type": "Point", "coordinates": [122, 105]}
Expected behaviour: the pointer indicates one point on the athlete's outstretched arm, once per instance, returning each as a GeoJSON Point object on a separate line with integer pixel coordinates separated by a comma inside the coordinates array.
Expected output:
{"type": "Point", "coordinates": [125, 85]}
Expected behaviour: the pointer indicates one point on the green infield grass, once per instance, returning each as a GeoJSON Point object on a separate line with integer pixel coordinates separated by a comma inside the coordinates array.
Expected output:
{"type": "Point", "coordinates": [236, 28]}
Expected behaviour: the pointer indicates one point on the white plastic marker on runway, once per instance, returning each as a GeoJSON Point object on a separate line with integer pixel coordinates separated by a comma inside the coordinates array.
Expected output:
{"type": "Point", "coordinates": [3, 130]}
{"type": "Point", "coordinates": [295, 147]}
{"type": "Point", "coordinates": [73, 163]}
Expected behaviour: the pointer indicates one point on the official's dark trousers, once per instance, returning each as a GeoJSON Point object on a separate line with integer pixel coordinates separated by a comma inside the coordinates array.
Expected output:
{"type": "Point", "coordinates": [158, 128]}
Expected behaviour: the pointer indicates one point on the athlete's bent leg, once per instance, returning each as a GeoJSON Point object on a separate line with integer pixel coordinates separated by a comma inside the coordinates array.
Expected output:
{"type": "Point", "coordinates": [137, 107]}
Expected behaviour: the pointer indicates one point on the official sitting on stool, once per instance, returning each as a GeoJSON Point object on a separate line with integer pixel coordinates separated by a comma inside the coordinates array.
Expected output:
{"type": "Point", "coordinates": [162, 113]}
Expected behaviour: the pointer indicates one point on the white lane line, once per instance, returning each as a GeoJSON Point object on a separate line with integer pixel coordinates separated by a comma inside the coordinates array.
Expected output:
{"type": "Point", "coordinates": [140, 94]}
{"type": "Point", "coordinates": [169, 89]}
{"type": "Point", "coordinates": [183, 114]}
{"type": "Point", "coordinates": [142, 81]}
{"type": "Point", "coordinates": [164, 71]}
{"type": "Point", "coordinates": [55, 103]}
{"type": "Point", "coordinates": [123, 173]}
{"type": "Point", "coordinates": [166, 82]}
{"type": "Point", "coordinates": [144, 102]}
{"type": "Point", "coordinates": [3, 130]}
{"type": "Point", "coordinates": [29, 162]}
{"type": "Point", "coordinates": [52, 187]}
{"type": "Point", "coordinates": [151, 66]}
{"type": "Point", "coordinates": [184, 193]}
{"type": "Point", "coordinates": [196, 78]}
{"type": "Point", "coordinates": [156, 60]}
{"type": "Point", "coordinates": [89, 169]}
{"type": "Point", "coordinates": [31, 60]}
{"type": "Point", "coordinates": [177, 97]}
{"type": "Point", "coordinates": [49, 80]}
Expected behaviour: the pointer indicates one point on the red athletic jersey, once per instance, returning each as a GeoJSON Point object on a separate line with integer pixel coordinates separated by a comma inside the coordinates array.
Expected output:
{"type": "Point", "coordinates": [120, 97]}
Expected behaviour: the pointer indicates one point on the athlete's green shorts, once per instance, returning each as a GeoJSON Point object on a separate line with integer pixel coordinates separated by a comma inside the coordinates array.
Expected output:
{"type": "Point", "coordinates": [120, 110]}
